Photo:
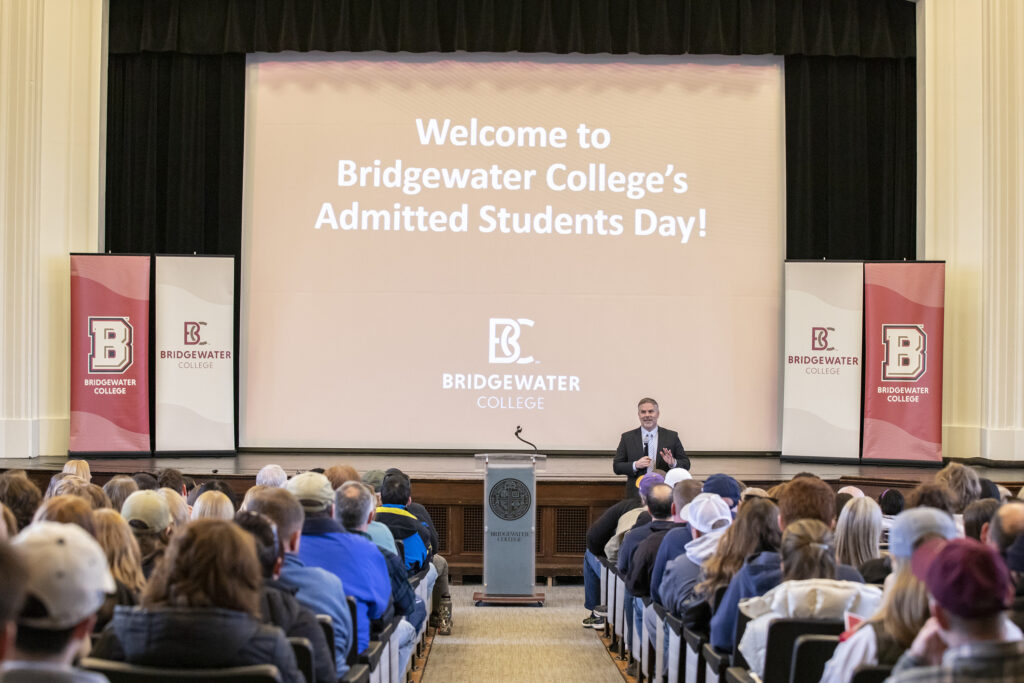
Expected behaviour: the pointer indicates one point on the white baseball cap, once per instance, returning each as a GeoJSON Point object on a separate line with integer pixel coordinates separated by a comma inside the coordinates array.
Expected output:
{"type": "Point", "coordinates": [705, 511]}
{"type": "Point", "coordinates": [69, 573]}
{"type": "Point", "coordinates": [313, 490]}
{"type": "Point", "coordinates": [676, 475]}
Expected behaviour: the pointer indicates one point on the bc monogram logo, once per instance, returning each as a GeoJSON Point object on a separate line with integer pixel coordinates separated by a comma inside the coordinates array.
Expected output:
{"type": "Point", "coordinates": [192, 337]}
{"type": "Point", "coordinates": [905, 352]}
{"type": "Point", "coordinates": [110, 348]}
{"type": "Point", "coordinates": [819, 338]}
{"type": "Point", "coordinates": [504, 341]}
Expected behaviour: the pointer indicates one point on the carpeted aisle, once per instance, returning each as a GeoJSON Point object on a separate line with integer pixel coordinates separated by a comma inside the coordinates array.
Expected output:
{"type": "Point", "coordinates": [520, 643]}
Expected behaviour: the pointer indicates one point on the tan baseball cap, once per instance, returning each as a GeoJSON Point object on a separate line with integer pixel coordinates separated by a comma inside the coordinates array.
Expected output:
{"type": "Point", "coordinates": [148, 508]}
{"type": "Point", "coordinates": [312, 489]}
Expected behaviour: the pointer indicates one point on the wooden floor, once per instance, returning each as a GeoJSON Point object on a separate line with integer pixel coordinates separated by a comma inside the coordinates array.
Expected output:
{"type": "Point", "coordinates": [564, 468]}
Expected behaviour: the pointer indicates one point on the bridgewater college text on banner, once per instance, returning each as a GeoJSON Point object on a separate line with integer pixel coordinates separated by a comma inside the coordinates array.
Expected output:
{"type": "Point", "coordinates": [109, 354]}
{"type": "Point", "coordinates": [903, 312]}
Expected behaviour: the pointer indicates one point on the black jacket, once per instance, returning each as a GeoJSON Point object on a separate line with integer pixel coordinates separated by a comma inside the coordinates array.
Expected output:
{"type": "Point", "coordinates": [195, 638]}
{"type": "Point", "coordinates": [601, 531]}
{"type": "Point", "coordinates": [280, 608]}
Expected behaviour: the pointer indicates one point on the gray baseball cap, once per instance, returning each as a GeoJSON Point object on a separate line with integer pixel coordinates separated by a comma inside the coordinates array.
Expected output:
{"type": "Point", "coordinates": [910, 525]}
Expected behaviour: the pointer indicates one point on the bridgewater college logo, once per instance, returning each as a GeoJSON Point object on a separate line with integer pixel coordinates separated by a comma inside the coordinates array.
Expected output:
{"type": "Point", "coordinates": [906, 354]}
{"type": "Point", "coordinates": [509, 499]}
{"type": "Point", "coordinates": [819, 339]}
{"type": "Point", "coordinates": [503, 346]}
{"type": "Point", "coordinates": [110, 344]}
{"type": "Point", "coordinates": [192, 330]}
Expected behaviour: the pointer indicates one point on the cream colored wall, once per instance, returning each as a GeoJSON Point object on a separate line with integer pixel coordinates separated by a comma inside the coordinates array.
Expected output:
{"type": "Point", "coordinates": [971, 81]}
{"type": "Point", "coordinates": [52, 63]}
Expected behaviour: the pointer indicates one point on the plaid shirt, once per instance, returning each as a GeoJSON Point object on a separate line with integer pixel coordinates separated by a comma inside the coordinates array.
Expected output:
{"type": "Point", "coordinates": [986, 662]}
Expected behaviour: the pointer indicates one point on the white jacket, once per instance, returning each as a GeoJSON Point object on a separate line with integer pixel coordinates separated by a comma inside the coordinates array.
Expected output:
{"type": "Point", "coordinates": [809, 599]}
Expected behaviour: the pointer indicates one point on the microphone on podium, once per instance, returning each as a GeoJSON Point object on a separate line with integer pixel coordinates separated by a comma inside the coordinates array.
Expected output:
{"type": "Point", "coordinates": [519, 430]}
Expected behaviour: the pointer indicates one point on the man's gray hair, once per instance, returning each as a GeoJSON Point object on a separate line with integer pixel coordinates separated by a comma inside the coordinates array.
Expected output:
{"type": "Point", "coordinates": [272, 475]}
{"type": "Point", "coordinates": [353, 503]}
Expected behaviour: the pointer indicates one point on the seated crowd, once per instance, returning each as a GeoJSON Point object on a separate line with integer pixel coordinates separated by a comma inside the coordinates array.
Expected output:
{"type": "Point", "coordinates": [159, 570]}
{"type": "Point", "coordinates": [930, 586]}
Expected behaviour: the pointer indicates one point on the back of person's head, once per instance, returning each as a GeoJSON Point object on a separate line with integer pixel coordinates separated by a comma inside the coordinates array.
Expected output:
{"type": "Point", "coordinates": [118, 489]}
{"type": "Point", "coordinates": [66, 510]}
{"type": "Point", "coordinates": [807, 498]}
{"type": "Point", "coordinates": [209, 563]}
{"type": "Point", "coordinates": [122, 550]}
{"type": "Point", "coordinates": [55, 480]}
{"type": "Point", "coordinates": [932, 495]}
{"type": "Point", "coordinates": [339, 474]}
{"type": "Point", "coordinates": [313, 491]}
{"type": "Point", "coordinates": [912, 527]}
{"type": "Point", "coordinates": [13, 578]}
{"type": "Point", "coordinates": [67, 584]}
{"type": "Point", "coordinates": [147, 512]}
{"type": "Point", "coordinates": [98, 497]}
{"type": "Point", "coordinates": [645, 483]}
{"type": "Point", "coordinates": [177, 506]}
{"type": "Point", "coordinates": [904, 608]}
{"type": "Point", "coordinates": [963, 483]}
{"type": "Point", "coordinates": [146, 481]}
{"type": "Point", "coordinates": [22, 496]}
{"type": "Point", "coordinates": [250, 492]}
{"type": "Point", "coordinates": [396, 489]}
{"type": "Point", "coordinates": [353, 503]}
{"type": "Point", "coordinates": [79, 468]}
{"type": "Point", "coordinates": [891, 501]}
{"type": "Point", "coordinates": [989, 489]}
{"type": "Point", "coordinates": [858, 532]}
{"type": "Point", "coordinates": [170, 478]}
{"type": "Point", "coordinates": [9, 527]}
{"type": "Point", "coordinates": [72, 485]}
{"type": "Point", "coordinates": [755, 529]}
{"type": "Point", "coordinates": [841, 500]}
{"type": "Point", "coordinates": [1006, 525]}
{"type": "Point", "coordinates": [214, 485]}
{"type": "Point", "coordinates": [659, 501]}
{"type": "Point", "coordinates": [728, 488]}
{"type": "Point", "coordinates": [977, 514]}
{"type": "Point", "coordinates": [283, 509]}
{"type": "Point", "coordinates": [684, 492]}
{"type": "Point", "coordinates": [967, 579]}
{"type": "Point", "coordinates": [373, 479]}
{"type": "Point", "coordinates": [271, 475]}
{"type": "Point", "coordinates": [213, 505]}
{"type": "Point", "coordinates": [806, 551]}
{"type": "Point", "coordinates": [269, 550]}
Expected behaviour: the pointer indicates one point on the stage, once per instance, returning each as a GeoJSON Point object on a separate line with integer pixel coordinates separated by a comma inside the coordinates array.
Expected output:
{"type": "Point", "coordinates": [572, 490]}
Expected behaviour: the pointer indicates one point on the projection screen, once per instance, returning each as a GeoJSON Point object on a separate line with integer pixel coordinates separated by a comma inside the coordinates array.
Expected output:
{"type": "Point", "coordinates": [438, 248]}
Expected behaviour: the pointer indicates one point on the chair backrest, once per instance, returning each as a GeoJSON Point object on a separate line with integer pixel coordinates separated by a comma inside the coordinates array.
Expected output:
{"type": "Point", "coordinates": [353, 652]}
{"type": "Point", "coordinates": [303, 650]}
{"type": "Point", "coordinates": [810, 654]}
{"type": "Point", "coordinates": [327, 624]}
{"type": "Point", "coordinates": [871, 674]}
{"type": "Point", "coordinates": [741, 626]}
{"type": "Point", "coordinates": [782, 635]}
{"type": "Point", "coordinates": [122, 672]}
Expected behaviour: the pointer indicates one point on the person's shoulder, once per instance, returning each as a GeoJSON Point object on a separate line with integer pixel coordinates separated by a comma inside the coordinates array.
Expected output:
{"type": "Point", "coordinates": [630, 432]}
{"type": "Point", "coordinates": [936, 674]}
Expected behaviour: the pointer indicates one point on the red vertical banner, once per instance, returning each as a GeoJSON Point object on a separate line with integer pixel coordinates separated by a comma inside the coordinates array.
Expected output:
{"type": "Point", "coordinates": [109, 354]}
{"type": "Point", "coordinates": [903, 319]}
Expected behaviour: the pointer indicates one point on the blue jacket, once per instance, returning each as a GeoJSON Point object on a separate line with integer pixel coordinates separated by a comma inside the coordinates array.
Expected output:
{"type": "Point", "coordinates": [411, 531]}
{"type": "Point", "coordinates": [356, 561]}
{"type": "Point", "coordinates": [673, 545]}
{"type": "Point", "coordinates": [323, 593]}
{"type": "Point", "coordinates": [759, 575]}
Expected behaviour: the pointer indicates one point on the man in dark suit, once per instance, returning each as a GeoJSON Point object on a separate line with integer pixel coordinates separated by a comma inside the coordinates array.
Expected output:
{"type": "Point", "coordinates": [648, 448]}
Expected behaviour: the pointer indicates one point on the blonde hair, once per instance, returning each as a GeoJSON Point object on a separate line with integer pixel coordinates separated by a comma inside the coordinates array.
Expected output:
{"type": "Point", "coordinates": [963, 482]}
{"type": "Point", "coordinates": [122, 550]}
{"type": "Point", "coordinates": [806, 551]}
{"type": "Point", "coordinates": [858, 532]}
{"type": "Point", "coordinates": [177, 505]}
{"type": "Point", "coordinates": [904, 607]}
{"type": "Point", "coordinates": [253, 490]}
{"type": "Point", "coordinates": [67, 510]}
{"type": "Point", "coordinates": [79, 468]}
{"type": "Point", "coordinates": [213, 505]}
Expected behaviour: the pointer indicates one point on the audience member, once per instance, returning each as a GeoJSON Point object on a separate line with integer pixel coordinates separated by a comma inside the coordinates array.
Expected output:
{"type": "Point", "coordinates": [598, 535]}
{"type": "Point", "coordinates": [213, 485]}
{"type": "Point", "coordinates": [395, 495]}
{"type": "Point", "coordinates": [968, 636]}
{"type": "Point", "coordinates": [170, 478]}
{"type": "Point", "coordinates": [633, 517]}
{"type": "Point", "coordinates": [353, 559]}
{"type": "Point", "coordinates": [319, 590]}
{"type": "Point", "coordinates": [271, 475]}
{"type": "Point", "coordinates": [124, 561]}
{"type": "Point", "coordinates": [67, 583]}
{"type": "Point", "coordinates": [853, 491]}
{"type": "Point", "coordinates": [676, 475]}
{"type": "Point", "coordinates": [353, 509]}
{"type": "Point", "coordinates": [13, 578]}
{"type": "Point", "coordinates": [886, 634]}
{"type": "Point", "coordinates": [149, 517]}
{"type": "Point", "coordinates": [55, 480]}
{"type": "Point", "coordinates": [751, 492]}
{"type": "Point", "coordinates": [146, 481]}
{"type": "Point", "coordinates": [808, 590]}
{"type": "Point", "coordinates": [22, 496]}
{"type": "Point", "coordinates": [802, 498]}
{"type": "Point", "coordinates": [213, 505]}
{"type": "Point", "coordinates": [72, 485]}
{"type": "Point", "coordinates": [676, 539]}
{"type": "Point", "coordinates": [66, 510]}
{"type": "Point", "coordinates": [841, 500]}
{"type": "Point", "coordinates": [201, 608]}
{"type": "Point", "coordinates": [891, 501]}
{"type": "Point", "coordinates": [1006, 525]}
{"type": "Point", "coordinates": [725, 486]}
{"type": "Point", "coordinates": [933, 495]}
{"type": "Point", "coordinates": [9, 526]}
{"type": "Point", "coordinates": [98, 498]}
{"type": "Point", "coordinates": [339, 474]}
{"type": "Point", "coordinates": [79, 468]}
{"type": "Point", "coordinates": [118, 489]}
{"type": "Point", "coordinates": [278, 605]}
{"type": "Point", "coordinates": [962, 482]}
{"type": "Point", "coordinates": [180, 514]}
{"type": "Point", "coordinates": [989, 489]}
{"type": "Point", "coordinates": [978, 516]}
{"type": "Point", "coordinates": [859, 533]}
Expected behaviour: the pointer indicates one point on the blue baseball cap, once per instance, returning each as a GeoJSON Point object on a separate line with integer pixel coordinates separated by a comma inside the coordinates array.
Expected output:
{"type": "Point", "coordinates": [725, 486]}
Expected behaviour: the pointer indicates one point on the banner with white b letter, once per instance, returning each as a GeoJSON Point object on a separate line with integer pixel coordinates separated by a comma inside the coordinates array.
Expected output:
{"type": "Point", "coordinates": [194, 337]}
{"type": "Point", "coordinates": [821, 400]}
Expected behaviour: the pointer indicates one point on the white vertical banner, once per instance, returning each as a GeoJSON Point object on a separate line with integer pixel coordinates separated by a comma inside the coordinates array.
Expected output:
{"type": "Point", "coordinates": [195, 299]}
{"type": "Point", "coordinates": [823, 355]}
